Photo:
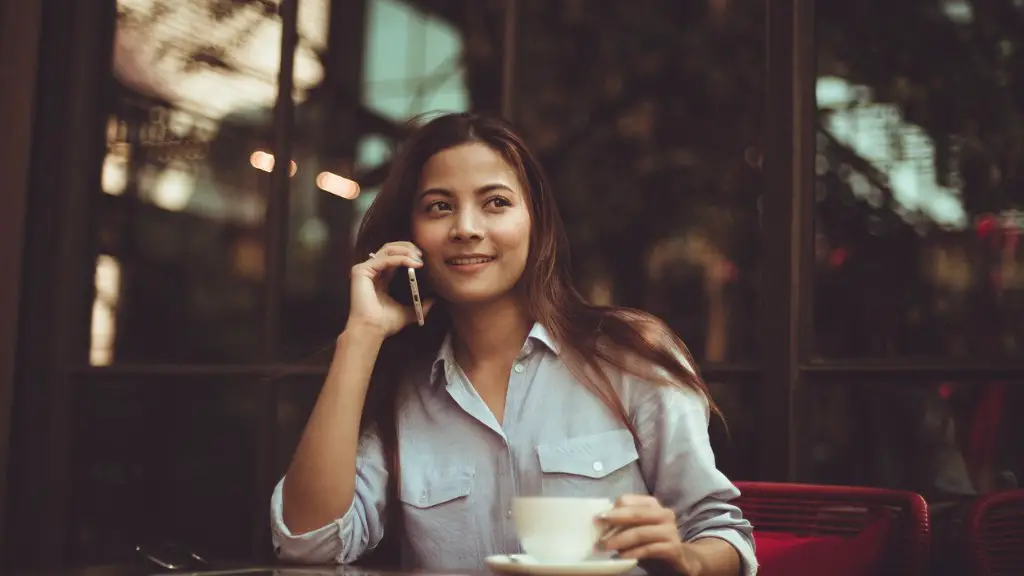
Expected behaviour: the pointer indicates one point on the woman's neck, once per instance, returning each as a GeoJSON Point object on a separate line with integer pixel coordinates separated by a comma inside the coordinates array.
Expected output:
{"type": "Point", "coordinates": [489, 334]}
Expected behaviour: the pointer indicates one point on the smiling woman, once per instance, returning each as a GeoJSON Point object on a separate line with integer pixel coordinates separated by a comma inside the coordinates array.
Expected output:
{"type": "Point", "coordinates": [514, 382]}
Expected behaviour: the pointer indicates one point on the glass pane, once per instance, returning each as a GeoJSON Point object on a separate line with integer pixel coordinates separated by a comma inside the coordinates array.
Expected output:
{"type": "Point", "coordinates": [942, 439]}
{"type": "Point", "coordinates": [185, 182]}
{"type": "Point", "coordinates": [165, 459]}
{"type": "Point", "coordinates": [919, 180]}
{"type": "Point", "coordinates": [415, 58]}
{"type": "Point", "coordinates": [947, 440]}
{"type": "Point", "coordinates": [295, 400]}
{"type": "Point", "coordinates": [734, 436]}
{"type": "Point", "coordinates": [647, 117]}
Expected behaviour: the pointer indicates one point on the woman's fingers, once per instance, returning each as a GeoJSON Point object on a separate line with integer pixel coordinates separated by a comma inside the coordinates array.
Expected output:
{"type": "Point", "coordinates": [638, 536]}
{"type": "Point", "coordinates": [378, 266]}
{"type": "Point", "coordinates": [632, 515]}
{"type": "Point", "coordinates": [398, 249]}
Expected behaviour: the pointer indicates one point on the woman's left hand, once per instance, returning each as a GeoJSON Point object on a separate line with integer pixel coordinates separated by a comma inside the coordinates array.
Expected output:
{"type": "Point", "coordinates": [646, 530]}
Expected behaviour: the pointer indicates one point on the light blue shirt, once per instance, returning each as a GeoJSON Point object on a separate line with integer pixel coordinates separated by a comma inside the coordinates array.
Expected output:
{"type": "Point", "coordinates": [461, 468]}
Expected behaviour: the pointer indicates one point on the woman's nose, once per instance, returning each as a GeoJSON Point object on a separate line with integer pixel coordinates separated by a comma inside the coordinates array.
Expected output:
{"type": "Point", "coordinates": [466, 226]}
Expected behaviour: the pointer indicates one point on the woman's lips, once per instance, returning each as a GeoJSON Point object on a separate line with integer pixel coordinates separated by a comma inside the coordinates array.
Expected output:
{"type": "Point", "coordinates": [469, 263]}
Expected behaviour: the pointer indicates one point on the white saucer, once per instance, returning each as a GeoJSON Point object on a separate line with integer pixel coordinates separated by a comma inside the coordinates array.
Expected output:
{"type": "Point", "coordinates": [523, 564]}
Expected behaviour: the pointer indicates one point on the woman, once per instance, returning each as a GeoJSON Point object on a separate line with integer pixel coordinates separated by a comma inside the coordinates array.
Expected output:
{"type": "Point", "coordinates": [515, 385]}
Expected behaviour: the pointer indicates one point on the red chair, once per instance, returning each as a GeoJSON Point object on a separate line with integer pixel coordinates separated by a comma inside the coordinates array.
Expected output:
{"type": "Point", "coordinates": [995, 533]}
{"type": "Point", "coordinates": [810, 529]}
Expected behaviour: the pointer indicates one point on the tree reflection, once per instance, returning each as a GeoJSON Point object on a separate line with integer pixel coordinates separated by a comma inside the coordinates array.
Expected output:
{"type": "Point", "coordinates": [647, 115]}
{"type": "Point", "coordinates": [954, 73]}
{"type": "Point", "coordinates": [917, 200]}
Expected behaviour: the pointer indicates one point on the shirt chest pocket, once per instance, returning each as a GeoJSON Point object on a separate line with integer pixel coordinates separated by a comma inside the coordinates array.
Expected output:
{"type": "Point", "coordinates": [436, 505]}
{"type": "Point", "coordinates": [431, 487]}
{"type": "Point", "coordinates": [603, 465]}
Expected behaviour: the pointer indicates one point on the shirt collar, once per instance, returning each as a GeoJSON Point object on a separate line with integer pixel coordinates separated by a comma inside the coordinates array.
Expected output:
{"type": "Point", "coordinates": [445, 359]}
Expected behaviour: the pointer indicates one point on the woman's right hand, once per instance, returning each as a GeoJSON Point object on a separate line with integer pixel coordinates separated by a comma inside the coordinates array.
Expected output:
{"type": "Point", "coordinates": [371, 307]}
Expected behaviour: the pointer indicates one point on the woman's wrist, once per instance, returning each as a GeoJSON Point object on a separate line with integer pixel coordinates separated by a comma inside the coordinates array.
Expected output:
{"type": "Point", "coordinates": [363, 334]}
{"type": "Point", "coordinates": [689, 562]}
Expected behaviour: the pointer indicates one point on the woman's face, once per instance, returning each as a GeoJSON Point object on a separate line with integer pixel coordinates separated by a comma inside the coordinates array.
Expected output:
{"type": "Point", "coordinates": [472, 221]}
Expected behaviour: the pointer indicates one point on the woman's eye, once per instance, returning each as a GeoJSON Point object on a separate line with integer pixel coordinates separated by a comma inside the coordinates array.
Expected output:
{"type": "Point", "coordinates": [499, 202]}
{"type": "Point", "coordinates": [438, 206]}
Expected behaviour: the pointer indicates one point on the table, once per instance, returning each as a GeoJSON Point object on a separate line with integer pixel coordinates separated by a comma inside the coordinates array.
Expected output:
{"type": "Point", "coordinates": [149, 570]}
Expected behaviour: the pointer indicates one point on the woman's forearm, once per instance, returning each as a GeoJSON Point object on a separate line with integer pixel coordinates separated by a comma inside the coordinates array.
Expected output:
{"type": "Point", "coordinates": [712, 557]}
{"type": "Point", "coordinates": [320, 483]}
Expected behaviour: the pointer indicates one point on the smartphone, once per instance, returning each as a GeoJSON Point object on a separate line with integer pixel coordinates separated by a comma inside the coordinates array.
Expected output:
{"type": "Point", "coordinates": [172, 556]}
{"type": "Point", "coordinates": [408, 290]}
{"type": "Point", "coordinates": [417, 304]}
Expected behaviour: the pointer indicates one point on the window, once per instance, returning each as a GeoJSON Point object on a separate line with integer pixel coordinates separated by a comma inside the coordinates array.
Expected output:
{"type": "Point", "coordinates": [914, 363]}
{"type": "Point", "coordinates": [185, 180]}
{"type": "Point", "coordinates": [942, 438]}
{"type": "Point", "coordinates": [647, 117]}
{"type": "Point", "coordinates": [917, 200]}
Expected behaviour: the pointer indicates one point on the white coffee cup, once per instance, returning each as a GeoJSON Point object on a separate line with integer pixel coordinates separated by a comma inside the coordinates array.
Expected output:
{"type": "Point", "coordinates": [558, 530]}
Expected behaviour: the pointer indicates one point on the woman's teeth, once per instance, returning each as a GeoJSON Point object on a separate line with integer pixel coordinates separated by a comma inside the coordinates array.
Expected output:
{"type": "Point", "coordinates": [468, 261]}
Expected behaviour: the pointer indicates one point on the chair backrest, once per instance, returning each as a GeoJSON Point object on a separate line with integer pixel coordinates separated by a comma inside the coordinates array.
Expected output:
{"type": "Point", "coordinates": [995, 533]}
{"type": "Point", "coordinates": [814, 510]}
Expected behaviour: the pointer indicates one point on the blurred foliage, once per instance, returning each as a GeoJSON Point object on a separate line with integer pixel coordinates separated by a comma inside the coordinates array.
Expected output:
{"type": "Point", "coordinates": [957, 74]}
{"type": "Point", "coordinates": [647, 115]}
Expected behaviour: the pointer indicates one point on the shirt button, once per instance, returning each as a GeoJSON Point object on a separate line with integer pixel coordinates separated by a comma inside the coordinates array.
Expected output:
{"type": "Point", "coordinates": [519, 368]}
{"type": "Point", "coordinates": [598, 466]}
{"type": "Point", "coordinates": [508, 513]}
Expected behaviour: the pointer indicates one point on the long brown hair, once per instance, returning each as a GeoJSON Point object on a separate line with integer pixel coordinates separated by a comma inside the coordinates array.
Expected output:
{"type": "Point", "coordinates": [591, 338]}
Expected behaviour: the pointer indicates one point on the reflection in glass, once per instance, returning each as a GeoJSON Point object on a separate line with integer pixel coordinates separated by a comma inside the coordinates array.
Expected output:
{"type": "Point", "coordinates": [647, 116]}
{"type": "Point", "coordinates": [104, 310]}
{"type": "Point", "coordinates": [413, 62]}
{"type": "Point", "coordinates": [943, 439]}
{"type": "Point", "coordinates": [185, 176]}
{"type": "Point", "coordinates": [295, 402]}
{"type": "Point", "coordinates": [918, 203]}
{"type": "Point", "coordinates": [416, 58]}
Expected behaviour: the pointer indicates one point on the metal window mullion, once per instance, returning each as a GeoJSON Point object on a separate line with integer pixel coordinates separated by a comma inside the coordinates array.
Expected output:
{"type": "Point", "coordinates": [275, 268]}
{"type": "Point", "coordinates": [789, 151]}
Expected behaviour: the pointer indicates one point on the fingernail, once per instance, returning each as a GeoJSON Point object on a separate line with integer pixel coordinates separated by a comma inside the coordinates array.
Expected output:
{"type": "Point", "coordinates": [417, 260]}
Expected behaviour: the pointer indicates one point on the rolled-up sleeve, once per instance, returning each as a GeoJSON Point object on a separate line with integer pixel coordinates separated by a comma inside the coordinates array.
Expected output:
{"type": "Point", "coordinates": [679, 467]}
{"type": "Point", "coordinates": [345, 539]}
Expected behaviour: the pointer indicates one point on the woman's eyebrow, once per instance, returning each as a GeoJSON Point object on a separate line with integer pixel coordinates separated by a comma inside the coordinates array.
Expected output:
{"type": "Point", "coordinates": [479, 191]}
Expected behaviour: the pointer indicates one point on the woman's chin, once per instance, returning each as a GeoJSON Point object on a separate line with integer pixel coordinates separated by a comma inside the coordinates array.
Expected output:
{"type": "Point", "coordinates": [464, 297]}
